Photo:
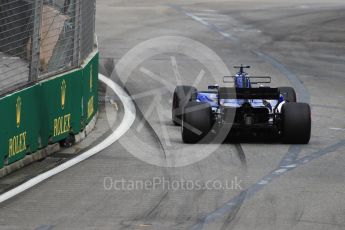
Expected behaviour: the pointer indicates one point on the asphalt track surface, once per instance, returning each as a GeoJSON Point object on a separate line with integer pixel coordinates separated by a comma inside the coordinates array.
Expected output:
{"type": "Point", "coordinates": [276, 186]}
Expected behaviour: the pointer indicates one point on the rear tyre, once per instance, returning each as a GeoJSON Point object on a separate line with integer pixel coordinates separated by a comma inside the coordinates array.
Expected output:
{"type": "Point", "coordinates": [296, 118]}
{"type": "Point", "coordinates": [196, 121]}
{"type": "Point", "coordinates": [182, 95]}
{"type": "Point", "coordinates": [288, 93]}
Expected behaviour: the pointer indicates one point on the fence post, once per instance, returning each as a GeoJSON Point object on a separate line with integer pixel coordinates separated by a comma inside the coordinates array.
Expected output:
{"type": "Point", "coordinates": [36, 37]}
{"type": "Point", "coordinates": [77, 30]}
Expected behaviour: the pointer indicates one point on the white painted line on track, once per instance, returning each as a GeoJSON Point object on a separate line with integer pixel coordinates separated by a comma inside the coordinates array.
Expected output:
{"type": "Point", "coordinates": [205, 22]}
{"type": "Point", "coordinates": [128, 119]}
{"type": "Point", "coordinates": [337, 129]}
{"type": "Point", "coordinates": [198, 19]}
{"type": "Point", "coordinates": [215, 19]}
{"type": "Point", "coordinates": [279, 171]}
{"type": "Point", "coordinates": [224, 34]}
{"type": "Point", "coordinates": [208, 10]}
{"type": "Point", "coordinates": [203, 15]}
{"type": "Point", "coordinates": [290, 166]}
{"type": "Point", "coordinates": [210, 15]}
{"type": "Point", "coordinates": [262, 182]}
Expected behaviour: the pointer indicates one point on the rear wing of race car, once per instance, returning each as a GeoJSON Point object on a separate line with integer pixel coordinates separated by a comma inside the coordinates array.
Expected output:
{"type": "Point", "coordinates": [249, 93]}
{"type": "Point", "coordinates": [253, 79]}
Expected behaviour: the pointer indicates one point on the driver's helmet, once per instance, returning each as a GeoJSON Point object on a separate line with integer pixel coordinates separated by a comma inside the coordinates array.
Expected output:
{"type": "Point", "coordinates": [242, 81]}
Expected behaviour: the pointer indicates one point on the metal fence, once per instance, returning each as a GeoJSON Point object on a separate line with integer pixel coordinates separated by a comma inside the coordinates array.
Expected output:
{"type": "Point", "coordinates": [41, 38]}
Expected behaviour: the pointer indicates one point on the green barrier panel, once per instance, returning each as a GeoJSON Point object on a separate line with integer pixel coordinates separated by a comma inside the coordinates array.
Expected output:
{"type": "Point", "coordinates": [48, 112]}
{"type": "Point", "coordinates": [90, 90]}
{"type": "Point", "coordinates": [21, 124]}
{"type": "Point", "coordinates": [62, 100]}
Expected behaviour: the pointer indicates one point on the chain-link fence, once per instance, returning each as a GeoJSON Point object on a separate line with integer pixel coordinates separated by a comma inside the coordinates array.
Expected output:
{"type": "Point", "coordinates": [40, 38]}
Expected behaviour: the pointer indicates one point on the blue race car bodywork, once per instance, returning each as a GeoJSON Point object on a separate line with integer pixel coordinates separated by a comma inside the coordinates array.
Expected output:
{"type": "Point", "coordinates": [212, 99]}
{"type": "Point", "coordinates": [241, 109]}
{"type": "Point", "coordinates": [241, 80]}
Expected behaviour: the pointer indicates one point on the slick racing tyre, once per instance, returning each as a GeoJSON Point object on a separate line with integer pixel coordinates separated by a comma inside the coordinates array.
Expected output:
{"type": "Point", "coordinates": [196, 121]}
{"type": "Point", "coordinates": [288, 93]}
{"type": "Point", "coordinates": [182, 95]}
{"type": "Point", "coordinates": [296, 118]}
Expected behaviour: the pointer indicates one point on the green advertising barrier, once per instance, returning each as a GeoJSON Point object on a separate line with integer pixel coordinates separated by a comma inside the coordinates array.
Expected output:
{"type": "Point", "coordinates": [20, 124]}
{"type": "Point", "coordinates": [62, 99]}
{"type": "Point", "coordinates": [90, 89]}
{"type": "Point", "coordinates": [48, 112]}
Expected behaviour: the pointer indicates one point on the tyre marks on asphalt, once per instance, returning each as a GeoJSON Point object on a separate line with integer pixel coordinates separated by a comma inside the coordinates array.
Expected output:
{"type": "Point", "coordinates": [302, 91]}
{"type": "Point", "coordinates": [241, 155]}
{"type": "Point", "coordinates": [232, 206]}
{"type": "Point", "coordinates": [158, 203]}
{"type": "Point", "coordinates": [140, 118]}
{"type": "Point", "coordinates": [217, 22]}
{"type": "Point", "coordinates": [293, 79]}
{"type": "Point", "coordinates": [289, 161]}
{"type": "Point", "coordinates": [205, 21]}
{"type": "Point", "coordinates": [153, 211]}
{"type": "Point", "coordinates": [291, 155]}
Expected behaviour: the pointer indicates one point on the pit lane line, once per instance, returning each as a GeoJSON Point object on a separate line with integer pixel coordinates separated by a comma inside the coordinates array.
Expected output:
{"type": "Point", "coordinates": [128, 120]}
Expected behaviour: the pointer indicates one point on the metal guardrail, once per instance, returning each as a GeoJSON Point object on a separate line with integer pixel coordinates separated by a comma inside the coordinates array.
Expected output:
{"type": "Point", "coordinates": [41, 38]}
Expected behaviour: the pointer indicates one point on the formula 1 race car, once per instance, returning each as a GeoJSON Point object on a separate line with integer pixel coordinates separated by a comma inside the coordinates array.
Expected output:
{"type": "Point", "coordinates": [243, 109]}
